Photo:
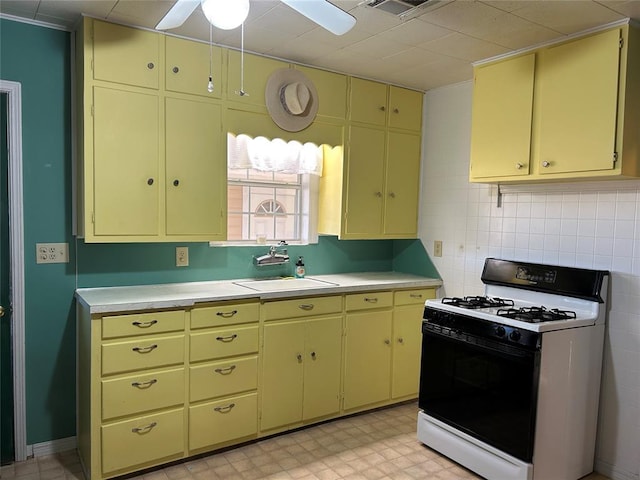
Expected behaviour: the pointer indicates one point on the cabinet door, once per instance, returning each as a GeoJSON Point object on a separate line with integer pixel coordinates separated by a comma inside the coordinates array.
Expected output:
{"type": "Point", "coordinates": [501, 118]}
{"type": "Point", "coordinates": [367, 358]}
{"type": "Point", "coordinates": [187, 67]}
{"type": "Point", "coordinates": [368, 102]}
{"type": "Point", "coordinates": [402, 185]}
{"type": "Point", "coordinates": [407, 343]}
{"type": "Point", "coordinates": [322, 362]}
{"type": "Point", "coordinates": [196, 169]}
{"type": "Point", "coordinates": [125, 55]}
{"type": "Point", "coordinates": [577, 101]}
{"type": "Point", "coordinates": [332, 91]}
{"type": "Point", "coordinates": [282, 374]}
{"type": "Point", "coordinates": [405, 108]}
{"type": "Point", "coordinates": [257, 70]}
{"type": "Point", "coordinates": [365, 177]}
{"type": "Point", "coordinates": [125, 177]}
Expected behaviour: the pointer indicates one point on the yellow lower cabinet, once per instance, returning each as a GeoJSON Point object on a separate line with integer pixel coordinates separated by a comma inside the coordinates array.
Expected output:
{"type": "Point", "coordinates": [407, 344]}
{"type": "Point", "coordinates": [367, 358]}
{"type": "Point", "coordinates": [142, 393]}
{"type": "Point", "coordinates": [219, 379]}
{"type": "Point", "coordinates": [223, 421]}
{"type": "Point", "coordinates": [301, 363]}
{"type": "Point", "coordinates": [223, 342]}
{"type": "Point", "coordinates": [142, 441]}
{"type": "Point", "coordinates": [142, 353]}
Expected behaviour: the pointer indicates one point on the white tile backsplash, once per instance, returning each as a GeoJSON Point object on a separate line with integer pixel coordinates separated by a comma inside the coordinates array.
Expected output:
{"type": "Point", "coordinates": [582, 227]}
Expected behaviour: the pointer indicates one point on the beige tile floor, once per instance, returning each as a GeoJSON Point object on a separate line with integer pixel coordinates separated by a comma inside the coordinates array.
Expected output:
{"type": "Point", "coordinates": [371, 446]}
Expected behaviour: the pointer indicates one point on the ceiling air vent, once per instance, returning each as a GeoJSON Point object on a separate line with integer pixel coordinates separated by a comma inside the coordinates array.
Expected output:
{"type": "Point", "coordinates": [400, 8]}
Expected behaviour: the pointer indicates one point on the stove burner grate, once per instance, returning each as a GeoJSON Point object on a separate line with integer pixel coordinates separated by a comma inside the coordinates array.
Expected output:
{"type": "Point", "coordinates": [478, 302]}
{"type": "Point", "coordinates": [536, 314]}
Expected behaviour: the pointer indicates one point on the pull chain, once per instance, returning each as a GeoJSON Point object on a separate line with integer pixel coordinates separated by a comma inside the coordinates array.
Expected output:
{"type": "Point", "coordinates": [242, 93]}
{"type": "Point", "coordinates": [210, 84]}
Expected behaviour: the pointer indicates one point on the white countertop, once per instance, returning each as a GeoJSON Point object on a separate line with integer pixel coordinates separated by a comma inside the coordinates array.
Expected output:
{"type": "Point", "coordinates": [144, 297]}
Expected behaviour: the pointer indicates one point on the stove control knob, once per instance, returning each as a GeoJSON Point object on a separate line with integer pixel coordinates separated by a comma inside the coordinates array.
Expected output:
{"type": "Point", "coordinates": [515, 335]}
{"type": "Point", "coordinates": [500, 331]}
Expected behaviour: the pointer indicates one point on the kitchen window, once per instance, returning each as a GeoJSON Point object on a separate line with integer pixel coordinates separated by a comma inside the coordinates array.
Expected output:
{"type": "Point", "coordinates": [275, 196]}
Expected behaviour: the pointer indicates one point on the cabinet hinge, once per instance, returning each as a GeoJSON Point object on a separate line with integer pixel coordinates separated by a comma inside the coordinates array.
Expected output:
{"type": "Point", "coordinates": [92, 110]}
{"type": "Point", "coordinates": [615, 158]}
{"type": "Point", "coordinates": [93, 218]}
{"type": "Point", "coordinates": [91, 64]}
{"type": "Point", "coordinates": [621, 43]}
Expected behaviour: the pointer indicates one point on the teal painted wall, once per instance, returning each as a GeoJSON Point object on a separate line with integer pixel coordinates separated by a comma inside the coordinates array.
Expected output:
{"type": "Point", "coordinates": [39, 58]}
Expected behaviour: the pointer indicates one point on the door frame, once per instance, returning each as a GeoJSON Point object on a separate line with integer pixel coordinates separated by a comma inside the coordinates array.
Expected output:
{"type": "Point", "coordinates": [16, 248]}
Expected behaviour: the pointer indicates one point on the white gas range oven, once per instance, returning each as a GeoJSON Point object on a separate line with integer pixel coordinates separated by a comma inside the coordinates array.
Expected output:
{"type": "Point", "coordinates": [510, 381]}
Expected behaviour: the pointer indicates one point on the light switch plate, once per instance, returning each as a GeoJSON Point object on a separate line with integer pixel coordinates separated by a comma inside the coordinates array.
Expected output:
{"type": "Point", "coordinates": [437, 248]}
{"type": "Point", "coordinates": [52, 253]}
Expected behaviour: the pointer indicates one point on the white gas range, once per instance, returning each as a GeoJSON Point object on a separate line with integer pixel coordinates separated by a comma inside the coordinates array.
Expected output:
{"type": "Point", "coordinates": [510, 380]}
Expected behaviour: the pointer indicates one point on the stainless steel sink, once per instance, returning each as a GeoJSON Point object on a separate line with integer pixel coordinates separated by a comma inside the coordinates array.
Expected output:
{"type": "Point", "coordinates": [282, 284]}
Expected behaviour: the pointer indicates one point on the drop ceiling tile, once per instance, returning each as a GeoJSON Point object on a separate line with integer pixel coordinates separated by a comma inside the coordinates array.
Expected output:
{"type": "Point", "coordinates": [464, 47]}
{"type": "Point", "coordinates": [73, 8]}
{"type": "Point", "coordinates": [567, 16]}
{"type": "Point", "coordinates": [285, 18]}
{"type": "Point", "coordinates": [414, 32]}
{"type": "Point", "coordinates": [261, 40]}
{"type": "Point", "coordinates": [461, 15]}
{"type": "Point", "coordinates": [412, 57]}
{"type": "Point", "coordinates": [374, 21]}
{"type": "Point", "coordinates": [377, 46]}
{"type": "Point", "coordinates": [20, 8]}
{"type": "Point", "coordinates": [628, 8]}
{"type": "Point", "coordinates": [319, 34]}
{"type": "Point", "coordinates": [511, 31]}
{"type": "Point", "coordinates": [302, 51]}
{"type": "Point", "coordinates": [140, 12]}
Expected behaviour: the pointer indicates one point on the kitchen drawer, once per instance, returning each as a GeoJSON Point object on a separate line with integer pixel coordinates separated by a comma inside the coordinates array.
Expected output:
{"type": "Point", "coordinates": [142, 393]}
{"type": "Point", "coordinates": [223, 342]}
{"type": "Point", "coordinates": [302, 307]}
{"type": "Point", "coordinates": [222, 421]}
{"type": "Point", "coordinates": [225, 314]}
{"type": "Point", "coordinates": [142, 354]}
{"type": "Point", "coordinates": [220, 379]}
{"type": "Point", "coordinates": [150, 439]}
{"type": "Point", "coordinates": [412, 297]}
{"type": "Point", "coordinates": [363, 301]}
{"type": "Point", "coordinates": [142, 324]}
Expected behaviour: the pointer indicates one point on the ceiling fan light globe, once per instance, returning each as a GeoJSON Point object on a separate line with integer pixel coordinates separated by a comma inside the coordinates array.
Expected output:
{"type": "Point", "coordinates": [226, 14]}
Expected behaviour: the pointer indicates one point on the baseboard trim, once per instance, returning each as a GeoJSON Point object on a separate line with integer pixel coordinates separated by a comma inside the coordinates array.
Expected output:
{"type": "Point", "coordinates": [614, 473]}
{"type": "Point", "coordinates": [54, 446]}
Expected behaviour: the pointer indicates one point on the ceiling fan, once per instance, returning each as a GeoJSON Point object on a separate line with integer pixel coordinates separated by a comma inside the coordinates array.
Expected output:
{"type": "Point", "coordinates": [322, 12]}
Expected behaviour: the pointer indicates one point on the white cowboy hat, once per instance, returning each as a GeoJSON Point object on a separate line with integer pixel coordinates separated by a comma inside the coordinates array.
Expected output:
{"type": "Point", "coordinates": [292, 99]}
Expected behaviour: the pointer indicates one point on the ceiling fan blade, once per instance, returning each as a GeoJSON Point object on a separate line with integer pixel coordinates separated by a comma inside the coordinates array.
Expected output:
{"type": "Point", "coordinates": [325, 14]}
{"type": "Point", "coordinates": [178, 14]}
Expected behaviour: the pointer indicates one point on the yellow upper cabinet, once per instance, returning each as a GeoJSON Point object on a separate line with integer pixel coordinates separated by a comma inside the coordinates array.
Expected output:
{"type": "Point", "coordinates": [501, 118]}
{"type": "Point", "coordinates": [187, 67]}
{"type": "Point", "coordinates": [332, 91]}
{"type": "Point", "coordinates": [249, 76]}
{"type": "Point", "coordinates": [564, 112]}
{"type": "Point", "coordinates": [385, 105]}
{"type": "Point", "coordinates": [125, 55]}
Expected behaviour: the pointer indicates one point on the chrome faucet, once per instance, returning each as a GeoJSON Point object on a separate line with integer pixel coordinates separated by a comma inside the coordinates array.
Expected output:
{"type": "Point", "coordinates": [277, 255]}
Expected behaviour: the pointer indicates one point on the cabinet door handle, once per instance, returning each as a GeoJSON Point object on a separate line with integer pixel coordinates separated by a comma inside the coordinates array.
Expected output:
{"type": "Point", "coordinates": [387, 341]}
{"type": "Point", "coordinates": [415, 295]}
{"type": "Point", "coordinates": [546, 164]}
{"type": "Point", "coordinates": [225, 409]}
{"type": "Point", "coordinates": [382, 108]}
{"type": "Point", "coordinates": [306, 306]}
{"type": "Point", "coordinates": [371, 299]}
{"type": "Point", "coordinates": [227, 314]}
{"type": "Point", "coordinates": [396, 110]}
{"type": "Point", "coordinates": [400, 340]}
{"type": "Point", "coordinates": [176, 183]}
{"type": "Point", "coordinates": [378, 194]}
{"type": "Point", "coordinates": [150, 181]}
{"type": "Point", "coordinates": [228, 338]}
{"type": "Point", "coordinates": [146, 384]}
{"type": "Point", "coordinates": [150, 65]}
{"type": "Point", "coordinates": [144, 349]}
{"type": "Point", "coordinates": [519, 166]}
{"type": "Point", "coordinates": [175, 69]}
{"type": "Point", "coordinates": [392, 195]}
{"type": "Point", "coordinates": [225, 370]}
{"type": "Point", "coordinates": [144, 429]}
{"type": "Point", "coordinates": [144, 324]}
{"type": "Point", "coordinates": [313, 355]}
{"type": "Point", "coordinates": [299, 358]}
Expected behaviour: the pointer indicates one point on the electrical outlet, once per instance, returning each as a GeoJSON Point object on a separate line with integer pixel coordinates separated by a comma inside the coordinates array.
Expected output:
{"type": "Point", "coordinates": [437, 248]}
{"type": "Point", "coordinates": [52, 253]}
{"type": "Point", "coordinates": [182, 256]}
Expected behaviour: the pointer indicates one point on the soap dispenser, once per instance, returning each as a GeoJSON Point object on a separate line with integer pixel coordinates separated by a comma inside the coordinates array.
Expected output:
{"type": "Point", "coordinates": [300, 268]}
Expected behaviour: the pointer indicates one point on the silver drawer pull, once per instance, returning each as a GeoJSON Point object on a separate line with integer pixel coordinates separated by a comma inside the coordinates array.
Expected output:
{"type": "Point", "coordinates": [225, 409]}
{"type": "Point", "coordinates": [371, 299]}
{"type": "Point", "coordinates": [145, 429]}
{"type": "Point", "coordinates": [144, 349]}
{"type": "Point", "coordinates": [228, 338]}
{"type": "Point", "coordinates": [146, 384]}
{"type": "Point", "coordinates": [144, 324]}
{"type": "Point", "coordinates": [227, 314]}
{"type": "Point", "coordinates": [225, 370]}
{"type": "Point", "coordinates": [306, 306]}
{"type": "Point", "coordinates": [415, 295]}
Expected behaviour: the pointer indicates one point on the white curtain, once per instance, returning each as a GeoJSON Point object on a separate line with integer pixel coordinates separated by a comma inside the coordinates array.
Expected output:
{"type": "Point", "coordinates": [275, 155]}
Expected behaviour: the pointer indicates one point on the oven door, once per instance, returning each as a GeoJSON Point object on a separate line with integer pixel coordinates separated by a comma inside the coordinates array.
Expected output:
{"type": "Point", "coordinates": [482, 387]}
